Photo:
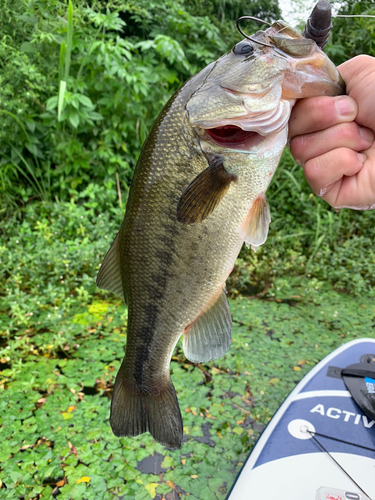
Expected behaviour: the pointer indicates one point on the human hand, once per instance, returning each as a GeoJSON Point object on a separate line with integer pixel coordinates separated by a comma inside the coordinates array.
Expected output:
{"type": "Point", "coordinates": [333, 139]}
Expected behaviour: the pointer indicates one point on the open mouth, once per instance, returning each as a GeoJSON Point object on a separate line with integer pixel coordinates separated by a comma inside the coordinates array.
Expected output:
{"type": "Point", "coordinates": [233, 136]}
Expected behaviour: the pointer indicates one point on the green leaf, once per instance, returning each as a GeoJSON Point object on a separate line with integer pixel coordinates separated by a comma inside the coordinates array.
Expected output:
{"type": "Point", "coordinates": [28, 48]}
{"type": "Point", "coordinates": [151, 489]}
{"type": "Point", "coordinates": [30, 124]}
{"type": "Point", "coordinates": [62, 90]}
{"type": "Point", "coordinates": [86, 101]}
{"type": "Point", "coordinates": [62, 60]}
{"type": "Point", "coordinates": [27, 18]}
{"type": "Point", "coordinates": [69, 40]}
{"type": "Point", "coordinates": [167, 462]}
{"type": "Point", "coordinates": [73, 118]}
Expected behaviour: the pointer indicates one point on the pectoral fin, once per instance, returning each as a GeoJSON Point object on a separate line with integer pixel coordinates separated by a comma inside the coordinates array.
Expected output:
{"type": "Point", "coordinates": [254, 230]}
{"type": "Point", "coordinates": [109, 275]}
{"type": "Point", "coordinates": [210, 335]}
{"type": "Point", "coordinates": [204, 193]}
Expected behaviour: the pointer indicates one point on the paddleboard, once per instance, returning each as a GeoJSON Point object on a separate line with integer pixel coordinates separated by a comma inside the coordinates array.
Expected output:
{"type": "Point", "coordinates": [319, 445]}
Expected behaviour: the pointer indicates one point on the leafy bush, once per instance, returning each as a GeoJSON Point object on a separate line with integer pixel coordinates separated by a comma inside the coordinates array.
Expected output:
{"type": "Point", "coordinates": [51, 257]}
{"type": "Point", "coordinates": [225, 14]}
{"type": "Point", "coordinates": [117, 83]}
{"type": "Point", "coordinates": [352, 36]}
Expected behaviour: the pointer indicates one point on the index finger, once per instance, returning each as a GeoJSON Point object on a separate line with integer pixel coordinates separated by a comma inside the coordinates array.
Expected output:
{"type": "Point", "coordinates": [318, 113]}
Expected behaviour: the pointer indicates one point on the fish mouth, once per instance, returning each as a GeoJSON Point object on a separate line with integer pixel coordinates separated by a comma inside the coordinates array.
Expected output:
{"type": "Point", "coordinates": [231, 136]}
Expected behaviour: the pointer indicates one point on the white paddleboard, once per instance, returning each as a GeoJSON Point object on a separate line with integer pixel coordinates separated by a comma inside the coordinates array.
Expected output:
{"type": "Point", "coordinates": [288, 462]}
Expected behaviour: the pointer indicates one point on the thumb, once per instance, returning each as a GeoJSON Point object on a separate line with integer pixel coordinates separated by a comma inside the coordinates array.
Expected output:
{"type": "Point", "coordinates": [359, 76]}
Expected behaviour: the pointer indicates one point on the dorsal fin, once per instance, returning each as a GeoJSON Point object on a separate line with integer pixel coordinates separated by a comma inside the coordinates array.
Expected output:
{"type": "Point", "coordinates": [109, 275]}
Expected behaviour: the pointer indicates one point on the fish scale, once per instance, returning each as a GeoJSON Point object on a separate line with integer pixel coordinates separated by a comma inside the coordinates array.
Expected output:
{"type": "Point", "coordinates": [194, 200]}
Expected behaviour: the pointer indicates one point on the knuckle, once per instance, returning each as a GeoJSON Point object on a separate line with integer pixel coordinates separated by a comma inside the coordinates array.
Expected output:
{"type": "Point", "coordinates": [312, 170]}
{"type": "Point", "coordinates": [343, 161]}
{"type": "Point", "coordinates": [339, 158]}
{"type": "Point", "coordinates": [347, 131]}
{"type": "Point", "coordinates": [296, 147]}
{"type": "Point", "coordinates": [318, 109]}
{"type": "Point", "coordinates": [348, 159]}
{"type": "Point", "coordinates": [364, 59]}
{"type": "Point", "coordinates": [324, 109]}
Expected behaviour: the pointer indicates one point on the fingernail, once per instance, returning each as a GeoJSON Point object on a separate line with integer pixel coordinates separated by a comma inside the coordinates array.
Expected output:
{"type": "Point", "coordinates": [346, 107]}
{"type": "Point", "coordinates": [366, 134]}
{"type": "Point", "coordinates": [298, 162]}
{"type": "Point", "coordinates": [361, 157]}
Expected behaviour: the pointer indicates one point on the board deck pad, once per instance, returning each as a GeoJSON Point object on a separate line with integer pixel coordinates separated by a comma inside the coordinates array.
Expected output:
{"type": "Point", "coordinates": [287, 462]}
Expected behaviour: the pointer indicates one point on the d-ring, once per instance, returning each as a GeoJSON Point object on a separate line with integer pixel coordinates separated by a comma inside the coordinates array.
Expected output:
{"type": "Point", "coordinates": [249, 37]}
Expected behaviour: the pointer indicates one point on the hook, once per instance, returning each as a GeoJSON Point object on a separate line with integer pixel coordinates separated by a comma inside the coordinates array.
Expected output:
{"type": "Point", "coordinates": [249, 37]}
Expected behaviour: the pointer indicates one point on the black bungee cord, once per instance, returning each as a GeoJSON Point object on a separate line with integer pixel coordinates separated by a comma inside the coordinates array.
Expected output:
{"type": "Point", "coordinates": [345, 442]}
{"type": "Point", "coordinates": [312, 434]}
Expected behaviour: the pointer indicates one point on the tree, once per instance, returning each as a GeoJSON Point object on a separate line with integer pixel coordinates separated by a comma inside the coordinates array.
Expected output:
{"type": "Point", "coordinates": [224, 13]}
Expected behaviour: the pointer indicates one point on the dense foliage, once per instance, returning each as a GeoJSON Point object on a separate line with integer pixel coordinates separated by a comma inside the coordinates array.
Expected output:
{"type": "Point", "coordinates": [224, 14]}
{"type": "Point", "coordinates": [124, 63]}
{"type": "Point", "coordinates": [353, 35]}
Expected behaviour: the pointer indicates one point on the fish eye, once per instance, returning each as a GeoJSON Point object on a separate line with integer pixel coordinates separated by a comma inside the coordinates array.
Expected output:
{"type": "Point", "coordinates": [243, 48]}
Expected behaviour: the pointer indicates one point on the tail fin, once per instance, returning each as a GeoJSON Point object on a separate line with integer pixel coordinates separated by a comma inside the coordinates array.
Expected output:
{"type": "Point", "coordinates": [135, 410]}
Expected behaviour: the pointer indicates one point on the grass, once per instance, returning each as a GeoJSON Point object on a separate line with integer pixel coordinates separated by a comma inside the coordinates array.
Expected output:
{"type": "Point", "coordinates": [23, 166]}
{"type": "Point", "coordinates": [62, 342]}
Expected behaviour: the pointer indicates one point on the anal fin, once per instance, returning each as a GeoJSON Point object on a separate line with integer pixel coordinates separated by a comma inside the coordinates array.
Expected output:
{"type": "Point", "coordinates": [210, 335]}
{"type": "Point", "coordinates": [109, 275]}
{"type": "Point", "coordinates": [254, 229]}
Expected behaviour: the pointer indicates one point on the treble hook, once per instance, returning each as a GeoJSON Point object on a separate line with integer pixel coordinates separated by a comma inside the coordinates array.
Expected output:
{"type": "Point", "coordinates": [249, 37]}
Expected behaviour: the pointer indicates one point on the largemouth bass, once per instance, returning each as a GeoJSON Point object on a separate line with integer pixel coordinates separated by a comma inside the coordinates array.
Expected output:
{"type": "Point", "coordinates": [197, 195]}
